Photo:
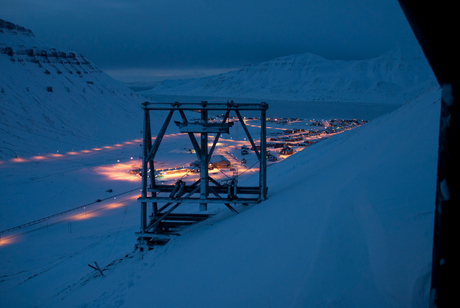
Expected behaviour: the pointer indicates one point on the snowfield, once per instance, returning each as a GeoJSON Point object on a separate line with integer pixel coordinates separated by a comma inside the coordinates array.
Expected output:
{"type": "Point", "coordinates": [348, 221]}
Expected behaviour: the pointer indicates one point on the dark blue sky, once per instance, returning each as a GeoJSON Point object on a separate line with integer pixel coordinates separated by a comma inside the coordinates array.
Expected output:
{"type": "Point", "coordinates": [147, 37]}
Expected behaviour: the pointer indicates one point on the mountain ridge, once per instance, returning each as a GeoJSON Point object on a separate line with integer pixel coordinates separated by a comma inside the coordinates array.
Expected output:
{"type": "Point", "coordinates": [47, 91]}
{"type": "Point", "coordinates": [395, 77]}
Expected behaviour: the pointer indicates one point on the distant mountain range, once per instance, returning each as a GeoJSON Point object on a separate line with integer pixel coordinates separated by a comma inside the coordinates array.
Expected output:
{"type": "Point", "coordinates": [60, 95]}
{"type": "Point", "coordinates": [395, 77]}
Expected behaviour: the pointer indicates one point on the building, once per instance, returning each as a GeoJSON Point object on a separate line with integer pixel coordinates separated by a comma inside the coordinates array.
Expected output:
{"type": "Point", "coordinates": [286, 150]}
{"type": "Point", "coordinates": [219, 161]}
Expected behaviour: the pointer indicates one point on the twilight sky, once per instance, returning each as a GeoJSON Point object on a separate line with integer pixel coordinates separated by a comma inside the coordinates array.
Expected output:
{"type": "Point", "coordinates": [147, 39]}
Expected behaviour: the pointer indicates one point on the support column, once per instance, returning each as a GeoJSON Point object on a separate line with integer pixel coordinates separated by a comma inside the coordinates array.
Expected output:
{"type": "Point", "coordinates": [263, 155]}
{"type": "Point", "coordinates": [151, 166]}
{"type": "Point", "coordinates": [204, 160]}
{"type": "Point", "coordinates": [145, 170]}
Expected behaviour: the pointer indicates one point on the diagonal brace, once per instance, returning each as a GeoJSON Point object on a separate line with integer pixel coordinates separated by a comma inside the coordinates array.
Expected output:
{"type": "Point", "coordinates": [160, 136]}
{"type": "Point", "coordinates": [192, 136]}
{"type": "Point", "coordinates": [248, 134]}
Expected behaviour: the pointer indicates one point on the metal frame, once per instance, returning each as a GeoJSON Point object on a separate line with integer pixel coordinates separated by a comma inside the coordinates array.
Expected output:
{"type": "Point", "coordinates": [207, 189]}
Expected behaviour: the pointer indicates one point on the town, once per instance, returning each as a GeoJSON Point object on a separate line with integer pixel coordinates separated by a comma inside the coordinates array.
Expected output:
{"type": "Point", "coordinates": [234, 154]}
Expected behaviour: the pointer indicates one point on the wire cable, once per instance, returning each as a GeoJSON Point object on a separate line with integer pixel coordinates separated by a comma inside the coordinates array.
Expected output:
{"type": "Point", "coordinates": [31, 223]}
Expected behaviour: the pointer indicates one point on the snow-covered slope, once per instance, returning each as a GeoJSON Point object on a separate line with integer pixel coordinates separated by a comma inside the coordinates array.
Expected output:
{"type": "Point", "coordinates": [56, 100]}
{"type": "Point", "coordinates": [395, 78]}
{"type": "Point", "coordinates": [348, 223]}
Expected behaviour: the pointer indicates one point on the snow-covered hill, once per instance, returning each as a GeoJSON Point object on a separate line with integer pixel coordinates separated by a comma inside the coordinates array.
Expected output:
{"type": "Point", "coordinates": [57, 100]}
{"type": "Point", "coordinates": [395, 78]}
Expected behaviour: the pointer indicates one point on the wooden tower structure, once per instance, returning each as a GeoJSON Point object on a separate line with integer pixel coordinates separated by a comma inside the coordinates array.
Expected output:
{"type": "Point", "coordinates": [156, 223]}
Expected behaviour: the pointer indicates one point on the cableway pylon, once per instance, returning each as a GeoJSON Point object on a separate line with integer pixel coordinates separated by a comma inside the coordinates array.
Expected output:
{"type": "Point", "coordinates": [156, 226]}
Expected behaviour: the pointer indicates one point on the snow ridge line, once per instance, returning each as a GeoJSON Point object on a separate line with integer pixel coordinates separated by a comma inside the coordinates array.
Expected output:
{"type": "Point", "coordinates": [61, 213]}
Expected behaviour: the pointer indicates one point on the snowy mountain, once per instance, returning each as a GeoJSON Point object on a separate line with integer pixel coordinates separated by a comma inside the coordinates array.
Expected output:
{"type": "Point", "coordinates": [58, 95]}
{"type": "Point", "coordinates": [395, 78]}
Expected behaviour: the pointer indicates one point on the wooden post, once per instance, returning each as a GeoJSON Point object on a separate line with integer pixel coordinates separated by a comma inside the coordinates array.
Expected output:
{"type": "Point", "coordinates": [97, 268]}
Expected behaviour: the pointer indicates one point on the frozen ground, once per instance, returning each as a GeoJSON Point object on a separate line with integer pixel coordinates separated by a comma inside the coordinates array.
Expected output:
{"type": "Point", "coordinates": [348, 223]}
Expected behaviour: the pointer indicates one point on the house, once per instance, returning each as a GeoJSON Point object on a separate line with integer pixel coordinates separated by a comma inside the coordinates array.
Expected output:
{"type": "Point", "coordinates": [219, 161]}
{"type": "Point", "coordinates": [286, 150]}
{"type": "Point", "coordinates": [197, 164]}
{"type": "Point", "coordinates": [271, 157]}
